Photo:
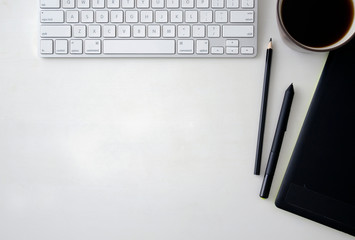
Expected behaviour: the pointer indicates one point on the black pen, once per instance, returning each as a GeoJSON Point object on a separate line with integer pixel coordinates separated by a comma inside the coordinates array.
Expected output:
{"type": "Point", "coordinates": [259, 146]}
{"type": "Point", "coordinates": [277, 142]}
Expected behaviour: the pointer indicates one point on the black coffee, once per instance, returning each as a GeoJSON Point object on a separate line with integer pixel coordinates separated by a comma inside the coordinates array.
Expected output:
{"type": "Point", "coordinates": [317, 23]}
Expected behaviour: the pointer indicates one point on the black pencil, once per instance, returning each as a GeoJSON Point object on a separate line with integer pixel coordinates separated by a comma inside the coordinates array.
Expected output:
{"type": "Point", "coordinates": [259, 146]}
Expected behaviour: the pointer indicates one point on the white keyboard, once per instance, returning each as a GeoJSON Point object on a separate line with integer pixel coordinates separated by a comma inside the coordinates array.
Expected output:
{"type": "Point", "coordinates": [148, 28]}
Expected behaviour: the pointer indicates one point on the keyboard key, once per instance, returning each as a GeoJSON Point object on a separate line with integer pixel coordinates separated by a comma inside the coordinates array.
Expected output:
{"type": "Point", "coordinates": [247, 50]}
{"type": "Point", "coordinates": [116, 16]}
{"type": "Point", "coordinates": [238, 31]}
{"type": "Point", "coordinates": [127, 3]}
{"type": "Point", "coordinates": [217, 50]}
{"type": "Point", "coordinates": [232, 50]}
{"type": "Point", "coordinates": [79, 31]}
{"type": "Point", "coordinates": [52, 16]}
{"type": "Point", "coordinates": [176, 17]}
{"type": "Point", "coordinates": [83, 3]}
{"type": "Point", "coordinates": [124, 31]}
{"type": "Point", "coordinates": [87, 16]}
{"type": "Point", "coordinates": [161, 16]}
{"type": "Point", "coordinates": [221, 16]}
{"type": "Point", "coordinates": [101, 16]}
{"type": "Point", "coordinates": [169, 31]}
{"type": "Point", "coordinates": [98, 3]}
{"type": "Point", "coordinates": [61, 46]}
{"type": "Point", "coordinates": [157, 3]}
{"type": "Point", "coordinates": [217, 3]}
{"type": "Point", "coordinates": [146, 46]}
{"type": "Point", "coordinates": [72, 16]}
{"type": "Point", "coordinates": [232, 3]}
{"type": "Point", "coordinates": [94, 31]}
{"type": "Point", "coordinates": [154, 31]}
{"type": "Point", "coordinates": [93, 46]}
{"type": "Point", "coordinates": [185, 46]}
{"type": "Point", "coordinates": [172, 3]}
{"type": "Point", "coordinates": [131, 16]}
{"type": "Point", "coordinates": [50, 3]}
{"type": "Point", "coordinates": [199, 31]}
{"type": "Point", "coordinates": [142, 3]}
{"type": "Point", "coordinates": [146, 16]}
{"type": "Point", "coordinates": [213, 31]}
{"type": "Point", "coordinates": [139, 31]}
{"type": "Point", "coordinates": [247, 3]}
{"type": "Point", "coordinates": [202, 3]}
{"type": "Point", "coordinates": [184, 31]}
{"type": "Point", "coordinates": [191, 16]}
{"type": "Point", "coordinates": [76, 46]}
{"type": "Point", "coordinates": [55, 31]}
{"type": "Point", "coordinates": [202, 46]}
{"type": "Point", "coordinates": [242, 16]}
{"type": "Point", "coordinates": [113, 3]}
{"type": "Point", "coordinates": [68, 3]}
{"type": "Point", "coordinates": [206, 16]}
{"type": "Point", "coordinates": [46, 47]}
{"type": "Point", "coordinates": [187, 3]}
{"type": "Point", "coordinates": [232, 43]}
{"type": "Point", "coordinates": [109, 31]}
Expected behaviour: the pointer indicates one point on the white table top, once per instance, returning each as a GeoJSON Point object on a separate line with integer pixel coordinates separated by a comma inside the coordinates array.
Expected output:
{"type": "Point", "coordinates": [144, 148]}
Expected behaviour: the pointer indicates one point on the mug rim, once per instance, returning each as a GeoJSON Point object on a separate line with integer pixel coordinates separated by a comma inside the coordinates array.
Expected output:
{"type": "Point", "coordinates": [327, 48]}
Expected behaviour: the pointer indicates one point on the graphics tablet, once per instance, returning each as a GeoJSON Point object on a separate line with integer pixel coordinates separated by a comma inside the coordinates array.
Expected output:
{"type": "Point", "coordinates": [319, 183]}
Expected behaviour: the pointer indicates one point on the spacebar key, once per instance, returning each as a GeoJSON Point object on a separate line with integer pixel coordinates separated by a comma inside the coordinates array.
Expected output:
{"type": "Point", "coordinates": [146, 46]}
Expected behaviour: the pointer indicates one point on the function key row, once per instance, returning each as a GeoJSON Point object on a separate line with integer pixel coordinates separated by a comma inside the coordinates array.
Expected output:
{"type": "Point", "coordinates": [84, 4]}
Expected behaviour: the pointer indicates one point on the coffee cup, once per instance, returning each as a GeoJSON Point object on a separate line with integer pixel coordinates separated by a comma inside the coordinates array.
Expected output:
{"type": "Point", "coordinates": [316, 25]}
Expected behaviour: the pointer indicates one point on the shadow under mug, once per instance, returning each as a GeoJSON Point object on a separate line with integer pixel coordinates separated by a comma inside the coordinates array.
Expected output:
{"type": "Point", "coordinates": [298, 46]}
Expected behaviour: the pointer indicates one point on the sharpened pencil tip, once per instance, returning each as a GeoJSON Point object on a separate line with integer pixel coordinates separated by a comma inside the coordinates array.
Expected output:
{"type": "Point", "coordinates": [269, 46]}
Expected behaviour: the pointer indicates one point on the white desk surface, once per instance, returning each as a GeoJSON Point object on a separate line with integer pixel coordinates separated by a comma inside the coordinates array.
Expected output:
{"type": "Point", "coordinates": [144, 148]}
